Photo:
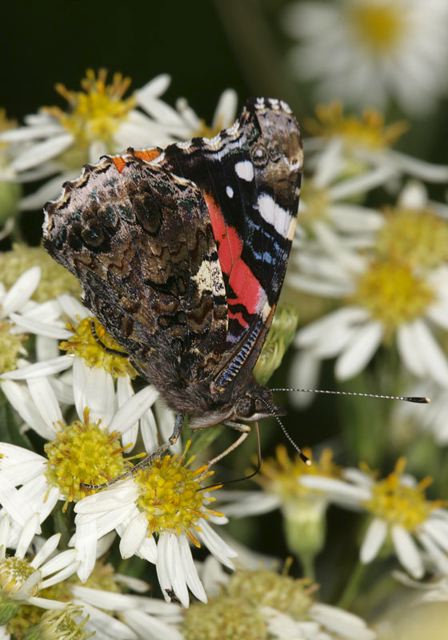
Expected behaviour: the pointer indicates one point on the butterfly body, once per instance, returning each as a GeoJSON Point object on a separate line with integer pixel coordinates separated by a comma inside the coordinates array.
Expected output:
{"type": "Point", "coordinates": [182, 253]}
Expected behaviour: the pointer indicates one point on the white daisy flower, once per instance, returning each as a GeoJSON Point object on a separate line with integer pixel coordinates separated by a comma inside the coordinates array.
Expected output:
{"type": "Point", "coordinates": [303, 510]}
{"type": "Point", "coordinates": [416, 527]}
{"type": "Point", "coordinates": [372, 51]}
{"type": "Point", "coordinates": [157, 513]}
{"type": "Point", "coordinates": [388, 299]}
{"type": "Point", "coordinates": [334, 200]}
{"type": "Point", "coordinates": [264, 604]}
{"type": "Point", "coordinates": [24, 575]}
{"type": "Point", "coordinates": [85, 451]}
{"type": "Point", "coordinates": [98, 120]}
{"type": "Point", "coordinates": [351, 145]}
{"type": "Point", "coordinates": [98, 365]}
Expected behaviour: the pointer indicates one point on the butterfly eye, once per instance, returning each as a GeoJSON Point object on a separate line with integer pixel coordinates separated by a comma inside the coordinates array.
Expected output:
{"type": "Point", "coordinates": [259, 155]}
{"type": "Point", "coordinates": [93, 236]}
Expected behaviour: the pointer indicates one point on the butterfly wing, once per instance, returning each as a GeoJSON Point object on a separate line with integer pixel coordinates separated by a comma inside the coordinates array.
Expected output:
{"type": "Point", "coordinates": [249, 176]}
{"type": "Point", "coordinates": [140, 241]}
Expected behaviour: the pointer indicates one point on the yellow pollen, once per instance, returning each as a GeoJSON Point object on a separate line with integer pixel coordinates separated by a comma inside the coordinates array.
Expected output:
{"type": "Point", "coordinates": [367, 131]}
{"type": "Point", "coordinates": [96, 112]}
{"type": "Point", "coordinates": [82, 452]}
{"type": "Point", "coordinates": [13, 574]}
{"type": "Point", "coordinates": [392, 293]}
{"type": "Point", "coordinates": [401, 504]}
{"type": "Point", "coordinates": [171, 498]}
{"type": "Point", "coordinates": [281, 475]}
{"type": "Point", "coordinates": [93, 345]}
{"type": "Point", "coordinates": [418, 237]}
{"type": "Point", "coordinates": [379, 25]}
{"type": "Point", "coordinates": [11, 345]}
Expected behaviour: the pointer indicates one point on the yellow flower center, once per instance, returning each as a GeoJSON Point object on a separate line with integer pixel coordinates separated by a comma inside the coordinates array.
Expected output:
{"type": "Point", "coordinates": [281, 475]}
{"type": "Point", "coordinates": [235, 613]}
{"type": "Point", "coordinates": [224, 618]}
{"type": "Point", "coordinates": [96, 112]}
{"type": "Point", "coordinates": [55, 280]}
{"type": "Point", "coordinates": [11, 344]}
{"type": "Point", "coordinates": [367, 131]}
{"type": "Point", "coordinates": [91, 342]}
{"type": "Point", "coordinates": [379, 25]}
{"type": "Point", "coordinates": [392, 293]}
{"type": "Point", "coordinates": [417, 237]}
{"type": "Point", "coordinates": [13, 574]}
{"type": "Point", "coordinates": [171, 498]}
{"type": "Point", "coordinates": [83, 453]}
{"type": "Point", "coordinates": [401, 504]}
{"type": "Point", "coordinates": [28, 615]}
{"type": "Point", "coordinates": [63, 624]}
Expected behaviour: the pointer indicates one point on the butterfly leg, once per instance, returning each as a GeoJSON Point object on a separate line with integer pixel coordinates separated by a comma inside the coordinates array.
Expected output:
{"type": "Point", "coordinates": [244, 430]}
{"type": "Point", "coordinates": [174, 437]}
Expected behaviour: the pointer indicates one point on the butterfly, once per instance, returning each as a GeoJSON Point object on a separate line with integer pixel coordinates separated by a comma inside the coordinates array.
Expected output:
{"type": "Point", "coordinates": [181, 253]}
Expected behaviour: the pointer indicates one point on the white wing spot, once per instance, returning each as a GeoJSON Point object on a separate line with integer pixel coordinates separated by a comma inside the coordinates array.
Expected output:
{"type": "Point", "coordinates": [245, 170]}
{"type": "Point", "coordinates": [229, 192]}
{"type": "Point", "coordinates": [282, 221]}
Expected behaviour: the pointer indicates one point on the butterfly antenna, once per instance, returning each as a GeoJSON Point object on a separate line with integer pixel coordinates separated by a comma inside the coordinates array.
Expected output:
{"type": "Point", "coordinates": [295, 446]}
{"type": "Point", "coordinates": [359, 394]}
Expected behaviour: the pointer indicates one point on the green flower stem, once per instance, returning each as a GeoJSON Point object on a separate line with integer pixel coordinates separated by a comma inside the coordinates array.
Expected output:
{"type": "Point", "coordinates": [353, 585]}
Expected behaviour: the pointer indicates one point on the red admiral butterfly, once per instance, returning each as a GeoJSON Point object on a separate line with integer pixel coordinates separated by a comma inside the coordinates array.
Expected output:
{"type": "Point", "coordinates": [182, 253]}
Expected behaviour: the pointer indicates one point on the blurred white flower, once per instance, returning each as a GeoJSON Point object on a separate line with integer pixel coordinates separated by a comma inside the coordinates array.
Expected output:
{"type": "Point", "coordinates": [396, 292]}
{"type": "Point", "coordinates": [366, 52]}
{"type": "Point", "coordinates": [350, 144]}
{"type": "Point", "coordinates": [157, 513]}
{"type": "Point", "coordinates": [401, 515]}
{"type": "Point", "coordinates": [99, 120]}
{"type": "Point", "coordinates": [269, 605]}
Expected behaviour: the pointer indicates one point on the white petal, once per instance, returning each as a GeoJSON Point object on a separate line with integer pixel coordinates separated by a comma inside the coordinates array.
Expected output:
{"type": "Point", "coordinates": [215, 544]}
{"type": "Point", "coordinates": [86, 539]}
{"type": "Point", "coordinates": [46, 550]}
{"type": "Point", "coordinates": [435, 361]}
{"type": "Point", "coordinates": [133, 536]}
{"type": "Point", "coordinates": [40, 328]}
{"type": "Point", "coordinates": [45, 401]}
{"type": "Point", "coordinates": [145, 624]}
{"type": "Point", "coordinates": [72, 307]}
{"type": "Point", "coordinates": [341, 622]}
{"type": "Point", "coordinates": [48, 191]}
{"type": "Point", "coordinates": [41, 152]}
{"type": "Point", "coordinates": [373, 541]}
{"type": "Point", "coordinates": [408, 352]}
{"type": "Point", "coordinates": [27, 535]}
{"type": "Point", "coordinates": [226, 109]}
{"type": "Point", "coordinates": [360, 350]}
{"type": "Point", "coordinates": [407, 551]}
{"type": "Point", "coordinates": [190, 571]}
{"type": "Point", "coordinates": [133, 409]}
{"type": "Point", "coordinates": [22, 402]}
{"type": "Point", "coordinates": [21, 291]}
{"type": "Point", "coordinates": [40, 369]}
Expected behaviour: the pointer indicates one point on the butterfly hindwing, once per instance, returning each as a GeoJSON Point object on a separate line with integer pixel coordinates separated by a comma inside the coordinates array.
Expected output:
{"type": "Point", "coordinates": [143, 248]}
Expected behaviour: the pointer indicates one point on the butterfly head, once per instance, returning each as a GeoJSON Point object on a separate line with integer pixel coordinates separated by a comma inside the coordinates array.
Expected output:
{"type": "Point", "coordinates": [277, 146]}
{"type": "Point", "coordinates": [255, 404]}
